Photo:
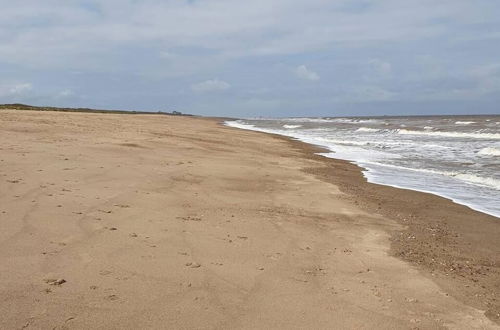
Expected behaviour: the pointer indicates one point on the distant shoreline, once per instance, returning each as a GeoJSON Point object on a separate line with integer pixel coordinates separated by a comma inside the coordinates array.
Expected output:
{"type": "Point", "coordinates": [19, 106]}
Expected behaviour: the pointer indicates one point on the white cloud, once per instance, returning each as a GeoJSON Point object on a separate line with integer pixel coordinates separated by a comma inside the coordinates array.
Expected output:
{"type": "Point", "coordinates": [15, 89]}
{"type": "Point", "coordinates": [304, 73]}
{"type": "Point", "coordinates": [20, 88]}
{"type": "Point", "coordinates": [210, 86]}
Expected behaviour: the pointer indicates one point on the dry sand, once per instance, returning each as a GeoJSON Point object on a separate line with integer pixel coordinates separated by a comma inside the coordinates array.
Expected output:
{"type": "Point", "coordinates": [144, 221]}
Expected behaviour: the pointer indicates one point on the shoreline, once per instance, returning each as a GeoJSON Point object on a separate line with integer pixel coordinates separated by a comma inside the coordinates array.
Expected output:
{"type": "Point", "coordinates": [462, 266]}
{"type": "Point", "coordinates": [152, 221]}
{"type": "Point", "coordinates": [326, 151]}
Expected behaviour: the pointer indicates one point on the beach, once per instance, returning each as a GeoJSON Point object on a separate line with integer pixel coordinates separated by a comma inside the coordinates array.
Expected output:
{"type": "Point", "coordinates": [114, 221]}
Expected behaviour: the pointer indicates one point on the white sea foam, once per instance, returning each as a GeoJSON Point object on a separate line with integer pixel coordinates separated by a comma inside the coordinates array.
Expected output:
{"type": "Point", "coordinates": [313, 120]}
{"type": "Point", "coordinates": [367, 129]}
{"type": "Point", "coordinates": [421, 170]}
{"type": "Point", "coordinates": [332, 120]}
{"type": "Point", "coordinates": [464, 122]}
{"type": "Point", "coordinates": [291, 126]}
{"type": "Point", "coordinates": [466, 177]}
{"type": "Point", "coordinates": [428, 128]}
{"type": "Point", "coordinates": [479, 200]}
{"type": "Point", "coordinates": [240, 124]}
{"type": "Point", "coordinates": [342, 142]}
{"type": "Point", "coordinates": [474, 179]}
{"type": "Point", "coordinates": [488, 136]}
{"type": "Point", "coordinates": [489, 151]}
{"type": "Point", "coordinates": [366, 121]}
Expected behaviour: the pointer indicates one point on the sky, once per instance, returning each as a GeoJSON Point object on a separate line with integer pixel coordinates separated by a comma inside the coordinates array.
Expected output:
{"type": "Point", "coordinates": [269, 58]}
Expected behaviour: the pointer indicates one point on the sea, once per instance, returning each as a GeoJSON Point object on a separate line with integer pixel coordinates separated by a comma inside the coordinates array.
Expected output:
{"type": "Point", "coordinates": [457, 157]}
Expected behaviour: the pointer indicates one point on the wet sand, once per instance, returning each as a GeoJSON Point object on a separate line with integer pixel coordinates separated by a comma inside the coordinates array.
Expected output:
{"type": "Point", "coordinates": [150, 221]}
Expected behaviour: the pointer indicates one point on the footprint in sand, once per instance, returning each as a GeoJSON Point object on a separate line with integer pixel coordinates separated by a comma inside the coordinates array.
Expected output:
{"type": "Point", "coordinates": [123, 206]}
{"type": "Point", "coordinates": [112, 297]}
{"type": "Point", "coordinates": [56, 282]}
{"type": "Point", "coordinates": [193, 264]}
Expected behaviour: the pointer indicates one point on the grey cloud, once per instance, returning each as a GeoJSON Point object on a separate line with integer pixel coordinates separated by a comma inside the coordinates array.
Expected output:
{"type": "Point", "coordinates": [208, 25]}
{"type": "Point", "coordinates": [366, 51]}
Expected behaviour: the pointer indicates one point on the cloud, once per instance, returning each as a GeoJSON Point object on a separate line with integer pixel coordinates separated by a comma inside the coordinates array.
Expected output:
{"type": "Point", "coordinates": [15, 89]}
{"type": "Point", "coordinates": [397, 50]}
{"type": "Point", "coordinates": [304, 73]}
{"type": "Point", "coordinates": [62, 31]}
{"type": "Point", "coordinates": [24, 92]}
{"type": "Point", "coordinates": [20, 88]}
{"type": "Point", "coordinates": [210, 86]}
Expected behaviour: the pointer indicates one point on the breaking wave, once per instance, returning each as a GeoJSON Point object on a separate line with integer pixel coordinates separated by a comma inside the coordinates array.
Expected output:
{"type": "Point", "coordinates": [490, 151]}
{"type": "Point", "coordinates": [367, 129]}
{"type": "Point", "coordinates": [468, 178]}
{"type": "Point", "coordinates": [488, 136]}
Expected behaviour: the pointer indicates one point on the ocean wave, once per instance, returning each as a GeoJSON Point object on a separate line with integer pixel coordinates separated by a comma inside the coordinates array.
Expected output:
{"type": "Point", "coordinates": [291, 126]}
{"type": "Point", "coordinates": [465, 177]}
{"type": "Point", "coordinates": [489, 151]}
{"type": "Point", "coordinates": [312, 120]}
{"type": "Point", "coordinates": [241, 124]}
{"type": "Point", "coordinates": [367, 129]}
{"type": "Point", "coordinates": [364, 121]}
{"type": "Point", "coordinates": [355, 121]}
{"type": "Point", "coordinates": [342, 142]}
{"type": "Point", "coordinates": [464, 122]}
{"type": "Point", "coordinates": [488, 136]}
{"type": "Point", "coordinates": [339, 120]}
{"type": "Point", "coordinates": [488, 182]}
{"type": "Point", "coordinates": [428, 128]}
